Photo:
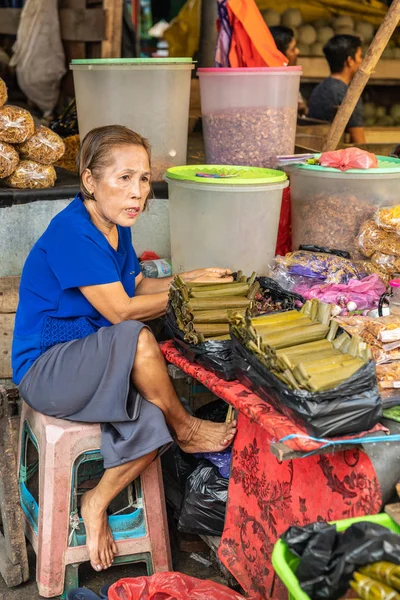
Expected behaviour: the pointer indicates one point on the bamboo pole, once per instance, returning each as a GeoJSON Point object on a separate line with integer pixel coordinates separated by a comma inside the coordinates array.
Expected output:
{"type": "Point", "coordinates": [362, 76]}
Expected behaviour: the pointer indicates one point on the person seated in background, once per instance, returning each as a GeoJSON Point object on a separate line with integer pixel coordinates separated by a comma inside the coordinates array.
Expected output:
{"type": "Point", "coordinates": [287, 44]}
{"type": "Point", "coordinates": [344, 55]}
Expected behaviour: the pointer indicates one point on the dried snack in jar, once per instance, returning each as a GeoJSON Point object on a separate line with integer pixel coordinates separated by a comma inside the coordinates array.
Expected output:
{"type": "Point", "coordinates": [389, 218]}
{"type": "Point", "coordinates": [249, 136]}
{"type": "Point", "coordinates": [32, 175]}
{"type": "Point", "coordinates": [9, 159]}
{"type": "Point", "coordinates": [44, 146]}
{"type": "Point", "coordinates": [330, 220]}
{"type": "Point", "coordinates": [386, 262]}
{"type": "Point", "coordinates": [374, 239]}
{"type": "Point", "coordinates": [328, 268]}
{"type": "Point", "coordinates": [3, 92]}
{"type": "Point", "coordinates": [16, 124]}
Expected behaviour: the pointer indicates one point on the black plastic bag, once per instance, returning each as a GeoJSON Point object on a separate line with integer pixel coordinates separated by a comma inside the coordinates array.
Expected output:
{"type": "Point", "coordinates": [328, 558]}
{"type": "Point", "coordinates": [351, 407]}
{"type": "Point", "coordinates": [204, 504]}
{"type": "Point", "coordinates": [216, 356]}
{"type": "Point", "coordinates": [311, 248]}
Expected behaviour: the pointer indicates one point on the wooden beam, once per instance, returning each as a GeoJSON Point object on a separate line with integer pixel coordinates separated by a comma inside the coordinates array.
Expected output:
{"type": "Point", "coordinates": [6, 333]}
{"type": "Point", "coordinates": [9, 287]}
{"type": "Point", "coordinates": [111, 46]}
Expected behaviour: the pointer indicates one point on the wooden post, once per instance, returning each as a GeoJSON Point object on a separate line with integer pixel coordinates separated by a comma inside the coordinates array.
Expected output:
{"type": "Point", "coordinates": [111, 46]}
{"type": "Point", "coordinates": [363, 74]}
{"type": "Point", "coordinates": [208, 33]}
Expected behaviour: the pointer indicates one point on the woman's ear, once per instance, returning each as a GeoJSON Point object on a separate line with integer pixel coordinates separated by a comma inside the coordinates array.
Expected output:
{"type": "Point", "coordinates": [88, 181]}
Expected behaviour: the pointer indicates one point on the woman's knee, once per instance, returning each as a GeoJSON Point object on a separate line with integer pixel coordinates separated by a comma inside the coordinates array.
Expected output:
{"type": "Point", "coordinates": [147, 346]}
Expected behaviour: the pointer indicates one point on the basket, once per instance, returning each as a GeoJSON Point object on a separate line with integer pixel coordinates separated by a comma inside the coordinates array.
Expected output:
{"type": "Point", "coordinates": [285, 562]}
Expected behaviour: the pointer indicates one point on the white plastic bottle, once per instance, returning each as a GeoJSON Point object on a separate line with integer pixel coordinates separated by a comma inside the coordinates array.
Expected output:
{"type": "Point", "coordinates": [161, 267]}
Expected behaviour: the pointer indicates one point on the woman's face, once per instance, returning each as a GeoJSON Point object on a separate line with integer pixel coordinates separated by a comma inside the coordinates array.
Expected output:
{"type": "Point", "coordinates": [122, 189]}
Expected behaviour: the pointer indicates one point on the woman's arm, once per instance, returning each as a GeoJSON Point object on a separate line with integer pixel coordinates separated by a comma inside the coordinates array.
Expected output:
{"type": "Point", "coordinates": [111, 300]}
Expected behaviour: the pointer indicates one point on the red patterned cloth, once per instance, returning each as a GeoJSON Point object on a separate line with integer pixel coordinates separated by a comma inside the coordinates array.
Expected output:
{"type": "Point", "coordinates": [266, 495]}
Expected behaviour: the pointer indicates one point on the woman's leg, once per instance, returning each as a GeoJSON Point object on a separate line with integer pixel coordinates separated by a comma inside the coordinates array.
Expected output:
{"type": "Point", "coordinates": [150, 377]}
{"type": "Point", "coordinates": [99, 540]}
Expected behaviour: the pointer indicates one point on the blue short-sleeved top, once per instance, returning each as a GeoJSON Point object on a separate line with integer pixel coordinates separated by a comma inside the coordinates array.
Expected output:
{"type": "Point", "coordinates": [71, 253]}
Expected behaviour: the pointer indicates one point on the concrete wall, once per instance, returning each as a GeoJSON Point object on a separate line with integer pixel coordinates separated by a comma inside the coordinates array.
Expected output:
{"type": "Point", "coordinates": [22, 224]}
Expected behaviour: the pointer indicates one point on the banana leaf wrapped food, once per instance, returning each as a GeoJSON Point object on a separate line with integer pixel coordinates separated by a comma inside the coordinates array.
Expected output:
{"type": "Point", "coordinates": [369, 589]}
{"type": "Point", "coordinates": [385, 572]}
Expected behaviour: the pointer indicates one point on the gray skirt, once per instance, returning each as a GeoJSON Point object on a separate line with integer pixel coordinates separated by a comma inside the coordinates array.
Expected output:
{"type": "Point", "coordinates": [89, 380]}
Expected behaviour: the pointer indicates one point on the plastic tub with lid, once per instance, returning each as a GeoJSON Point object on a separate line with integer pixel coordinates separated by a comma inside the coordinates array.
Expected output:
{"type": "Point", "coordinates": [224, 216]}
{"type": "Point", "coordinates": [329, 206]}
{"type": "Point", "coordinates": [150, 96]}
{"type": "Point", "coordinates": [249, 114]}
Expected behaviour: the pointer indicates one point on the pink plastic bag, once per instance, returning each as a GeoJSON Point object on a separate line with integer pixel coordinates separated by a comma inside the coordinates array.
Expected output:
{"type": "Point", "coordinates": [170, 586]}
{"type": "Point", "coordinates": [365, 293]}
{"type": "Point", "coordinates": [350, 158]}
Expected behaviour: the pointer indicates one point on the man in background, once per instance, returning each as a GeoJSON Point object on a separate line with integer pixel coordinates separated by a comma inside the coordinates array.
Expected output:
{"type": "Point", "coordinates": [344, 56]}
{"type": "Point", "coordinates": [287, 44]}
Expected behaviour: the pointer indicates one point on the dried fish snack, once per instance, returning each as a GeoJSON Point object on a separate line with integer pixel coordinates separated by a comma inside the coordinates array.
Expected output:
{"type": "Point", "coordinates": [331, 221]}
{"type": "Point", "coordinates": [328, 268]}
{"type": "Point", "coordinates": [388, 376]}
{"type": "Point", "coordinates": [386, 262]}
{"type": "Point", "coordinates": [16, 124]}
{"type": "Point", "coordinates": [375, 239]}
{"type": "Point", "coordinates": [9, 159]}
{"type": "Point", "coordinates": [3, 92]}
{"type": "Point", "coordinates": [32, 175]}
{"type": "Point", "coordinates": [44, 146]}
{"type": "Point", "coordinates": [389, 218]}
{"type": "Point", "coordinates": [249, 136]}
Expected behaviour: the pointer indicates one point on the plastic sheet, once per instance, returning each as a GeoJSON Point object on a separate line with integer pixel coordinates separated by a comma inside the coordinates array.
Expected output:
{"type": "Point", "coordinates": [170, 586]}
{"type": "Point", "coordinates": [351, 407]}
{"type": "Point", "coordinates": [350, 158]}
{"type": "Point", "coordinates": [204, 504]}
{"type": "Point", "coordinates": [328, 558]}
{"type": "Point", "coordinates": [365, 293]}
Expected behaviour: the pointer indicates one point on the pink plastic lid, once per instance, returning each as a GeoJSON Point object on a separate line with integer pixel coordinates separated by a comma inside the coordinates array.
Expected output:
{"type": "Point", "coordinates": [248, 69]}
{"type": "Point", "coordinates": [395, 283]}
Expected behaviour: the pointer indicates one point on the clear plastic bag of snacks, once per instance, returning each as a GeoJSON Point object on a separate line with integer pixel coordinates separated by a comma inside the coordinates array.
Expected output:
{"type": "Point", "coordinates": [386, 262]}
{"type": "Point", "coordinates": [32, 175]}
{"type": "Point", "coordinates": [3, 92]}
{"type": "Point", "coordinates": [16, 124]}
{"type": "Point", "coordinates": [9, 159]}
{"type": "Point", "coordinates": [389, 218]}
{"type": "Point", "coordinates": [44, 146]}
{"type": "Point", "coordinates": [374, 239]}
{"type": "Point", "coordinates": [327, 268]}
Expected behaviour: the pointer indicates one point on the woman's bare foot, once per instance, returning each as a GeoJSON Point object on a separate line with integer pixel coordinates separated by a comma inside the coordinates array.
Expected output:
{"type": "Point", "coordinates": [99, 539]}
{"type": "Point", "coordinates": [205, 436]}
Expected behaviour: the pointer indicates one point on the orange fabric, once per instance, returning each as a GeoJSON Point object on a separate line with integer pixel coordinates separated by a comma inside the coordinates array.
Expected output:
{"type": "Point", "coordinates": [252, 43]}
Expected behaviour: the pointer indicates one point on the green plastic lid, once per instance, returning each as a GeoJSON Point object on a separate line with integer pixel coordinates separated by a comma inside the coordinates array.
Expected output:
{"type": "Point", "coordinates": [129, 61]}
{"type": "Point", "coordinates": [225, 175]}
{"type": "Point", "coordinates": [386, 165]}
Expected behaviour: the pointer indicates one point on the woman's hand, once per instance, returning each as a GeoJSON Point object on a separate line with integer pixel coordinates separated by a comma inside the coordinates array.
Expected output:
{"type": "Point", "coordinates": [210, 275]}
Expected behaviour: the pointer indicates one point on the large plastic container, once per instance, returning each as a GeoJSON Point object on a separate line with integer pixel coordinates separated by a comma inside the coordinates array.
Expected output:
{"type": "Point", "coordinates": [224, 216]}
{"type": "Point", "coordinates": [249, 114]}
{"type": "Point", "coordinates": [151, 96]}
{"type": "Point", "coordinates": [329, 206]}
{"type": "Point", "coordinates": [285, 562]}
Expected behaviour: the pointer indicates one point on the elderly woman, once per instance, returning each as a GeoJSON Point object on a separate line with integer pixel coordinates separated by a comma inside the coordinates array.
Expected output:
{"type": "Point", "coordinates": [81, 350]}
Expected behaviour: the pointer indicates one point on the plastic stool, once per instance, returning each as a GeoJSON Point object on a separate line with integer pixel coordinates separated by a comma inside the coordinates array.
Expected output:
{"type": "Point", "coordinates": [67, 453]}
